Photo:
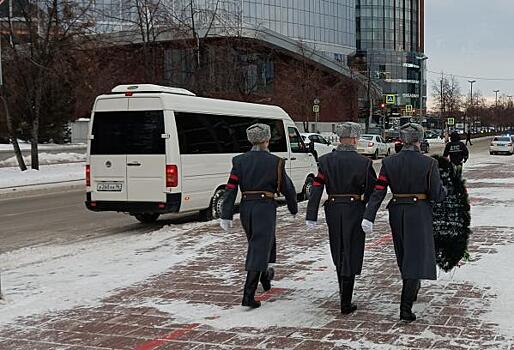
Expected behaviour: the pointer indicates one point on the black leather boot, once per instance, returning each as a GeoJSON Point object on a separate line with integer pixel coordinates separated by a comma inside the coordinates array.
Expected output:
{"type": "Point", "coordinates": [267, 277]}
{"type": "Point", "coordinates": [418, 287]}
{"type": "Point", "coordinates": [339, 281]}
{"type": "Point", "coordinates": [252, 280]}
{"type": "Point", "coordinates": [409, 291]}
{"type": "Point", "coordinates": [346, 293]}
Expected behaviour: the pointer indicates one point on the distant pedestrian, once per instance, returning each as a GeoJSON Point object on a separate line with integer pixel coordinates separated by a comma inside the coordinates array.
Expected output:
{"type": "Point", "coordinates": [415, 181]}
{"type": "Point", "coordinates": [456, 151]}
{"type": "Point", "coordinates": [349, 179]}
{"type": "Point", "coordinates": [260, 175]}
{"type": "Point", "coordinates": [468, 138]}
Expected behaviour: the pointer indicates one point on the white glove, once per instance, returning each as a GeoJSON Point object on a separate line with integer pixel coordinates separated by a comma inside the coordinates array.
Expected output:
{"type": "Point", "coordinates": [226, 224]}
{"type": "Point", "coordinates": [311, 225]}
{"type": "Point", "coordinates": [367, 226]}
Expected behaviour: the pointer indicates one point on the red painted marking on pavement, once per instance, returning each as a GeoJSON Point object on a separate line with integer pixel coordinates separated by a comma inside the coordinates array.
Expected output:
{"type": "Point", "coordinates": [163, 340]}
{"type": "Point", "coordinates": [381, 241]}
{"type": "Point", "coordinates": [270, 293]}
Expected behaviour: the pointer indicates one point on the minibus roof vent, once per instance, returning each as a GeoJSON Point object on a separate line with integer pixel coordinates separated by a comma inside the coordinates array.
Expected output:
{"type": "Point", "coordinates": [150, 88]}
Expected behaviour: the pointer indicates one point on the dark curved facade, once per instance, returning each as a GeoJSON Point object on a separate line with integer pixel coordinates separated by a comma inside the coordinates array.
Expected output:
{"type": "Point", "coordinates": [390, 40]}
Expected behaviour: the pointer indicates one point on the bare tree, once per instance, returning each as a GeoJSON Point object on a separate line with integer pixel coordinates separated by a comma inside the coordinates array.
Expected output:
{"type": "Point", "coordinates": [448, 96]}
{"type": "Point", "coordinates": [12, 131]}
{"type": "Point", "coordinates": [155, 21]}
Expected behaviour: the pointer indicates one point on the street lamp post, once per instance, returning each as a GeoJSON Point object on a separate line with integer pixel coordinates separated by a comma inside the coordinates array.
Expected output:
{"type": "Point", "coordinates": [497, 114]}
{"type": "Point", "coordinates": [470, 109]}
{"type": "Point", "coordinates": [421, 61]}
{"type": "Point", "coordinates": [316, 113]}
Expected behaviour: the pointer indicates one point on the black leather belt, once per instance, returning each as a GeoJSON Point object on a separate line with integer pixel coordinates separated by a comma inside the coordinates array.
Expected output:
{"type": "Point", "coordinates": [409, 197]}
{"type": "Point", "coordinates": [252, 195]}
{"type": "Point", "coordinates": [345, 198]}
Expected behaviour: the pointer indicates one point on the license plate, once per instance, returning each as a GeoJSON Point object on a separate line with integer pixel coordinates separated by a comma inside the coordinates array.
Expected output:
{"type": "Point", "coordinates": [109, 187]}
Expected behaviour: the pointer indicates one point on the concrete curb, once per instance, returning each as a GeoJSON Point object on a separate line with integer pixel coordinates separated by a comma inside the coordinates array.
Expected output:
{"type": "Point", "coordinates": [41, 189]}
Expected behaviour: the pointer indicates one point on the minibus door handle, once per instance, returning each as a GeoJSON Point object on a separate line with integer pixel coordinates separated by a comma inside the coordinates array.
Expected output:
{"type": "Point", "coordinates": [293, 158]}
{"type": "Point", "coordinates": [134, 164]}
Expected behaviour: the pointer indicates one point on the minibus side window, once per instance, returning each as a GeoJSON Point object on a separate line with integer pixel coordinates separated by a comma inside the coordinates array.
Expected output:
{"type": "Point", "coordinates": [297, 145]}
{"type": "Point", "coordinates": [217, 134]}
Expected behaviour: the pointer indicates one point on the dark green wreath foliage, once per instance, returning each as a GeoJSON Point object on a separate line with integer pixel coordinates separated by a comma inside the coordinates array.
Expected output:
{"type": "Point", "coordinates": [452, 218]}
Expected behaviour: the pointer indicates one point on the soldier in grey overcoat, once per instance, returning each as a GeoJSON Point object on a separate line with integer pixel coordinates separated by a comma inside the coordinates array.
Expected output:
{"type": "Point", "coordinates": [415, 183]}
{"type": "Point", "coordinates": [349, 179]}
{"type": "Point", "coordinates": [261, 176]}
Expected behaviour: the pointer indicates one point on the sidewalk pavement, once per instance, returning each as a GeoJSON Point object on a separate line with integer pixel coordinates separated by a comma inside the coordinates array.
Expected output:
{"type": "Point", "coordinates": [196, 305]}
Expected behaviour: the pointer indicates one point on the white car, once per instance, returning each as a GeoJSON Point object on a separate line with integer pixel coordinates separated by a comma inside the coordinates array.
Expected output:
{"type": "Point", "coordinates": [373, 145]}
{"type": "Point", "coordinates": [321, 145]}
{"type": "Point", "coordinates": [502, 144]}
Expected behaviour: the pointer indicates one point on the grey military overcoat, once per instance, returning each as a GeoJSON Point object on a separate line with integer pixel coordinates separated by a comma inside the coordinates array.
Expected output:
{"type": "Point", "coordinates": [257, 171]}
{"type": "Point", "coordinates": [344, 172]}
{"type": "Point", "coordinates": [410, 172]}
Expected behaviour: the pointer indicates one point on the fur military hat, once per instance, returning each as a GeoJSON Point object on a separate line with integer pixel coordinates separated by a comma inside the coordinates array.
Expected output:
{"type": "Point", "coordinates": [349, 130]}
{"type": "Point", "coordinates": [258, 133]}
{"type": "Point", "coordinates": [411, 133]}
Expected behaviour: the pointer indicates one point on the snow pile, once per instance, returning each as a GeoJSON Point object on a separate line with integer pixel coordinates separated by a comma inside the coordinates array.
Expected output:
{"type": "Point", "coordinates": [47, 158]}
{"type": "Point", "coordinates": [437, 141]}
{"type": "Point", "coordinates": [24, 146]}
{"type": "Point", "coordinates": [59, 277]}
{"type": "Point", "coordinates": [13, 177]}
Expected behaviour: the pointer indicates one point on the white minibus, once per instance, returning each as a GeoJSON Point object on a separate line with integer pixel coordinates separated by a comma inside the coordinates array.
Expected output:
{"type": "Point", "coordinates": [154, 150]}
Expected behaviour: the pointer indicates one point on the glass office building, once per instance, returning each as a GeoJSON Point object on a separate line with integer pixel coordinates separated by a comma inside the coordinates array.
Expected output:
{"type": "Point", "coordinates": [326, 25]}
{"type": "Point", "coordinates": [390, 40]}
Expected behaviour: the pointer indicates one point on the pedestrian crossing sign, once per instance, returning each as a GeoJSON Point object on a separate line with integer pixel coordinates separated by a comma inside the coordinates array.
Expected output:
{"type": "Point", "coordinates": [451, 121]}
{"type": "Point", "coordinates": [408, 108]}
{"type": "Point", "coordinates": [391, 99]}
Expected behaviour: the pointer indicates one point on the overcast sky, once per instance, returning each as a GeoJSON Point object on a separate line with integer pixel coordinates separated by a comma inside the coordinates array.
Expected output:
{"type": "Point", "coordinates": [471, 38]}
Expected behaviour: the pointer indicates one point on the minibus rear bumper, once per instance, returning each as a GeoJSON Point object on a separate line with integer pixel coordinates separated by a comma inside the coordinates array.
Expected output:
{"type": "Point", "coordinates": [172, 205]}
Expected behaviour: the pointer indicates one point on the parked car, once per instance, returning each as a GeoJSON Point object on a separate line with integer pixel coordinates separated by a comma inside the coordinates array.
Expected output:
{"type": "Point", "coordinates": [317, 143]}
{"type": "Point", "coordinates": [331, 137]}
{"type": "Point", "coordinates": [373, 145]}
{"type": "Point", "coordinates": [4, 139]}
{"type": "Point", "coordinates": [154, 150]}
{"type": "Point", "coordinates": [398, 145]}
{"type": "Point", "coordinates": [502, 144]}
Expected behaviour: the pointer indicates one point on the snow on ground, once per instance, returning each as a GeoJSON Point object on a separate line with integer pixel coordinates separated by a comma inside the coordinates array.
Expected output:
{"type": "Point", "coordinates": [12, 177]}
{"type": "Point", "coordinates": [307, 288]}
{"type": "Point", "coordinates": [495, 270]}
{"type": "Point", "coordinates": [47, 158]}
{"type": "Point", "coordinates": [59, 277]}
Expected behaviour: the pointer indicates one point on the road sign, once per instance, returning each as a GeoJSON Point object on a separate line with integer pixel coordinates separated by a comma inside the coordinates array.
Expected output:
{"type": "Point", "coordinates": [315, 108]}
{"type": "Point", "coordinates": [408, 108]}
{"type": "Point", "coordinates": [391, 99]}
{"type": "Point", "coordinates": [451, 121]}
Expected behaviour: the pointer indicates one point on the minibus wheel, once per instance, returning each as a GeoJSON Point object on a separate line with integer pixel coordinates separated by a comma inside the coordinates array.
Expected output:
{"type": "Point", "coordinates": [217, 202]}
{"type": "Point", "coordinates": [147, 218]}
{"type": "Point", "coordinates": [214, 210]}
{"type": "Point", "coordinates": [307, 189]}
